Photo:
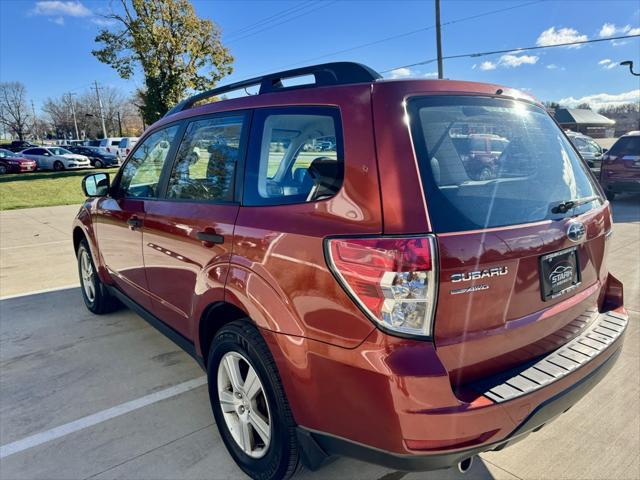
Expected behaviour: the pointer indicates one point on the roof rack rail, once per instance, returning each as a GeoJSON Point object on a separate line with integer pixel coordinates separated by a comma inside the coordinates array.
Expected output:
{"type": "Point", "coordinates": [336, 73]}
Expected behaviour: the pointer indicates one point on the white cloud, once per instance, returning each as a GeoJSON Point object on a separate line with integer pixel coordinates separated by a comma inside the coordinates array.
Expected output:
{"type": "Point", "coordinates": [552, 36]}
{"type": "Point", "coordinates": [431, 75]}
{"type": "Point", "coordinates": [610, 30]}
{"type": "Point", "coordinates": [103, 22]}
{"type": "Point", "coordinates": [400, 73]}
{"type": "Point", "coordinates": [508, 61]}
{"type": "Point", "coordinates": [552, 66]}
{"type": "Point", "coordinates": [607, 64]}
{"type": "Point", "coordinates": [58, 8]}
{"type": "Point", "coordinates": [57, 20]}
{"type": "Point", "coordinates": [512, 61]}
{"type": "Point", "coordinates": [600, 100]}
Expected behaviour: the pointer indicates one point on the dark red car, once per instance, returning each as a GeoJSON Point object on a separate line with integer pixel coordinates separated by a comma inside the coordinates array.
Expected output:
{"type": "Point", "coordinates": [620, 170]}
{"type": "Point", "coordinates": [15, 163]}
{"type": "Point", "coordinates": [371, 299]}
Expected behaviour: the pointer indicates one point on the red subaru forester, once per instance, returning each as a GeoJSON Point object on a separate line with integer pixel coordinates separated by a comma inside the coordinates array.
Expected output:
{"type": "Point", "coordinates": [349, 286]}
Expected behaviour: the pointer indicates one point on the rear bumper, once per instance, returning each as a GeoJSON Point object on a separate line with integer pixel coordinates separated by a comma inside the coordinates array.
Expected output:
{"type": "Point", "coordinates": [390, 401]}
{"type": "Point", "coordinates": [631, 186]}
{"type": "Point", "coordinates": [318, 447]}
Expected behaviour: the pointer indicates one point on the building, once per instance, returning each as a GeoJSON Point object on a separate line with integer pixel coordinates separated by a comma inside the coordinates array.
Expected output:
{"type": "Point", "coordinates": [585, 121]}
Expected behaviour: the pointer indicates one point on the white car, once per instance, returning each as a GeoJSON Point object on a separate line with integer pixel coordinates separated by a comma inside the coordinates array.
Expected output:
{"type": "Point", "coordinates": [125, 147]}
{"type": "Point", "coordinates": [56, 158]}
{"type": "Point", "coordinates": [110, 145]}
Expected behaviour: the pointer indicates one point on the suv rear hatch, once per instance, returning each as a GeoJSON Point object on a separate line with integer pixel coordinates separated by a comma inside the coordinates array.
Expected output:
{"type": "Point", "coordinates": [521, 233]}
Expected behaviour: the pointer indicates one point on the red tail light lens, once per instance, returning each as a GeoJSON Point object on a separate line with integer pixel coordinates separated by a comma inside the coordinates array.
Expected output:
{"type": "Point", "coordinates": [392, 279]}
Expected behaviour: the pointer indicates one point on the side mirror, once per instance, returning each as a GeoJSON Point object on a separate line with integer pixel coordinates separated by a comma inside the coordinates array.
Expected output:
{"type": "Point", "coordinates": [96, 185]}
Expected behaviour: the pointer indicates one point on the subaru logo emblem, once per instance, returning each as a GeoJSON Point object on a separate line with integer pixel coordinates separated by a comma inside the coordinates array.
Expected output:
{"type": "Point", "coordinates": [576, 231]}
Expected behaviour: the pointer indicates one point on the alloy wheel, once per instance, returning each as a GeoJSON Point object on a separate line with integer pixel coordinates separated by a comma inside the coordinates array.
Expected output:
{"type": "Point", "coordinates": [86, 273]}
{"type": "Point", "coordinates": [244, 404]}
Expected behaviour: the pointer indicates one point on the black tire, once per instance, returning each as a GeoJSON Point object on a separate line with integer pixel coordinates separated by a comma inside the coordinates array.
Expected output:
{"type": "Point", "coordinates": [610, 195]}
{"type": "Point", "coordinates": [58, 166]}
{"type": "Point", "coordinates": [281, 460]}
{"type": "Point", "coordinates": [3, 169]}
{"type": "Point", "coordinates": [98, 164]}
{"type": "Point", "coordinates": [102, 302]}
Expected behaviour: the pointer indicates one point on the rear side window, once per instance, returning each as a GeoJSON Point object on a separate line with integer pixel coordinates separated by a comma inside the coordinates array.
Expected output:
{"type": "Point", "coordinates": [532, 168]}
{"type": "Point", "coordinates": [296, 156]}
{"type": "Point", "coordinates": [205, 165]}
{"type": "Point", "coordinates": [626, 146]}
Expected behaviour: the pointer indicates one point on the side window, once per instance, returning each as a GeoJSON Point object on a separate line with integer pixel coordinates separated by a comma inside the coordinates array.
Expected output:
{"type": "Point", "coordinates": [141, 174]}
{"type": "Point", "coordinates": [297, 157]}
{"type": "Point", "coordinates": [206, 161]}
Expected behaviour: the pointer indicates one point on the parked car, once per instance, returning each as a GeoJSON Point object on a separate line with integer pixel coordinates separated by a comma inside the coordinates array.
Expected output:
{"type": "Point", "coordinates": [588, 148]}
{"type": "Point", "coordinates": [125, 146]}
{"type": "Point", "coordinates": [480, 153]}
{"type": "Point", "coordinates": [11, 162]}
{"type": "Point", "coordinates": [110, 145]}
{"type": "Point", "coordinates": [374, 301]}
{"type": "Point", "coordinates": [621, 166]}
{"type": "Point", "coordinates": [56, 158]}
{"type": "Point", "coordinates": [98, 158]}
{"type": "Point", "coordinates": [17, 145]}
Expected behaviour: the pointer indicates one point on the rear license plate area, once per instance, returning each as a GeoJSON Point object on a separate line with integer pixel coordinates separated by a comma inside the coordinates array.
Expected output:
{"type": "Point", "coordinates": [559, 273]}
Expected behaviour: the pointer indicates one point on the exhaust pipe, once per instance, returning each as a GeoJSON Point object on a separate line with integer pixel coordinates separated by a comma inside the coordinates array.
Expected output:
{"type": "Point", "coordinates": [465, 465]}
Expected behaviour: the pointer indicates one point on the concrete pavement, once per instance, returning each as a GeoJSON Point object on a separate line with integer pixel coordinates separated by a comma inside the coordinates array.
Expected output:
{"type": "Point", "coordinates": [59, 365]}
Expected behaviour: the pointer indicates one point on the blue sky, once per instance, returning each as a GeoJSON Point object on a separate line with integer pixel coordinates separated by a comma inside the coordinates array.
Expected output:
{"type": "Point", "coordinates": [47, 45]}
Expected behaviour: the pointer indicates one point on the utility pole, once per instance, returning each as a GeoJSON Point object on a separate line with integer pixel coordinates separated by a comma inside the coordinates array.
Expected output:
{"type": "Point", "coordinates": [439, 40]}
{"type": "Point", "coordinates": [104, 129]}
{"type": "Point", "coordinates": [119, 123]}
{"type": "Point", "coordinates": [35, 124]}
{"type": "Point", "coordinates": [73, 111]}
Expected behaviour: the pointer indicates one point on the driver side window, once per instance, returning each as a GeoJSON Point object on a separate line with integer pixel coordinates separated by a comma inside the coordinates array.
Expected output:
{"type": "Point", "coordinates": [205, 164]}
{"type": "Point", "coordinates": [141, 174]}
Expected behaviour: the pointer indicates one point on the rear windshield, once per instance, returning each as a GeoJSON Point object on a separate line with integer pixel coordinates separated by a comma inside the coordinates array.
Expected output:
{"type": "Point", "coordinates": [489, 162]}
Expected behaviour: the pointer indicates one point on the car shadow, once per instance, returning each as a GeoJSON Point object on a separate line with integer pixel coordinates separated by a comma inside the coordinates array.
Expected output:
{"type": "Point", "coordinates": [626, 208]}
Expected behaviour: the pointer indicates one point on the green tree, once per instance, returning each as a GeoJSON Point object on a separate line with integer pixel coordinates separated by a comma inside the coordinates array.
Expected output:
{"type": "Point", "coordinates": [176, 50]}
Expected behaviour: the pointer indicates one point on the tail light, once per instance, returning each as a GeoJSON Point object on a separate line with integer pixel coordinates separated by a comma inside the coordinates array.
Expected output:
{"type": "Point", "coordinates": [393, 280]}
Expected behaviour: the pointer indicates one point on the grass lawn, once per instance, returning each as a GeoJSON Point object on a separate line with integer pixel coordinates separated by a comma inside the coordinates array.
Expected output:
{"type": "Point", "coordinates": [44, 189]}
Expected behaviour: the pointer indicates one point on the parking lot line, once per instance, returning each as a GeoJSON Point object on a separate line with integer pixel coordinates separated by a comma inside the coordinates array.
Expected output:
{"type": "Point", "coordinates": [34, 245]}
{"type": "Point", "coordinates": [96, 418]}
{"type": "Point", "coordinates": [37, 292]}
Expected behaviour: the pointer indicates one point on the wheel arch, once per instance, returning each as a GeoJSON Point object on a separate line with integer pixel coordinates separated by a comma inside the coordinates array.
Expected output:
{"type": "Point", "coordinates": [215, 316]}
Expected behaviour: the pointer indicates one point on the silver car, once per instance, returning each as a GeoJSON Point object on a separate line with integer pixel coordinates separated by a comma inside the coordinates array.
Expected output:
{"type": "Point", "coordinates": [56, 158]}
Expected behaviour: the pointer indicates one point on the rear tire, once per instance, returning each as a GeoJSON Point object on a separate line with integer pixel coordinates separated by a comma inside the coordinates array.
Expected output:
{"type": "Point", "coordinates": [58, 166]}
{"type": "Point", "coordinates": [3, 169]}
{"type": "Point", "coordinates": [273, 454]}
{"type": "Point", "coordinates": [95, 295]}
{"type": "Point", "coordinates": [98, 164]}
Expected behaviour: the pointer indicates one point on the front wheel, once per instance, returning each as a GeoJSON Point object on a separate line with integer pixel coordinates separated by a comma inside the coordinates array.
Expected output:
{"type": "Point", "coordinates": [249, 404]}
{"type": "Point", "coordinates": [58, 166]}
{"type": "Point", "coordinates": [98, 164]}
{"type": "Point", "coordinates": [96, 297]}
{"type": "Point", "coordinates": [3, 169]}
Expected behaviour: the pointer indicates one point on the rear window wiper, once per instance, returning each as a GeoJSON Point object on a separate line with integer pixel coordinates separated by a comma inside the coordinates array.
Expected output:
{"type": "Point", "coordinates": [566, 205]}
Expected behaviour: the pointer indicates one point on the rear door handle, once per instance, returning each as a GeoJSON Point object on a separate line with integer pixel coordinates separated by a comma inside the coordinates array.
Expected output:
{"type": "Point", "coordinates": [209, 237]}
{"type": "Point", "coordinates": [134, 222]}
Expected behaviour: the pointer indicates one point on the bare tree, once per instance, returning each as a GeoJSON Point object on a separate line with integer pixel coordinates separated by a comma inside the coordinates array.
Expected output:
{"type": "Point", "coordinates": [14, 113]}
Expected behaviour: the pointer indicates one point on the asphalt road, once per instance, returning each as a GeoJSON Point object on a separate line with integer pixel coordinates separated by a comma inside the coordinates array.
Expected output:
{"type": "Point", "coordinates": [107, 397]}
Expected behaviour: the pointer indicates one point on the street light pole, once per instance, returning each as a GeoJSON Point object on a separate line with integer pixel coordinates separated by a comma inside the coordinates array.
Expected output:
{"type": "Point", "coordinates": [630, 63]}
{"type": "Point", "coordinates": [35, 124]}
{"type": "Point", "coordinates": [104, 129]}
{"type": "Point", "coordinates": [439, 41]}
{"type": "Point", "coordinates": [73, 111]}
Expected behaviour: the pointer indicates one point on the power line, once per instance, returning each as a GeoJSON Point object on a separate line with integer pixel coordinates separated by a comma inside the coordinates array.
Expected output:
{"type": "Point", "coordinates": [405, 34]}
{"type": "Point", "coordinates": [281, 13]}
{"type": "Point", "coordinates": [521, 49]}
{"type": "Point", "coordinates": [322, 5]}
